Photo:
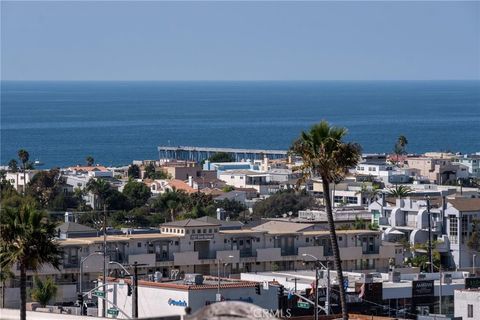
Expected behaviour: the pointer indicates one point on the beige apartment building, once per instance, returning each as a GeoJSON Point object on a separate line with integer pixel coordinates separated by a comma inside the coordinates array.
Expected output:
{"type": "Point", "coordinates": [437, 170]}
{"type": "Point", "coordinates": [199, 246]}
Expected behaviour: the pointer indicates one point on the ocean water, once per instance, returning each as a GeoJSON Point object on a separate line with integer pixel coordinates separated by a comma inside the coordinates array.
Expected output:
{"type": "Point", "coordinates": [60, 123]}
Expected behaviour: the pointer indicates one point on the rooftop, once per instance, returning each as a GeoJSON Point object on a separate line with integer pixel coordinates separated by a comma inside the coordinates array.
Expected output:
{"type": "Point", "coordinates": [191, 223]}
{"type": "Point", "coordinates": [465, 204]}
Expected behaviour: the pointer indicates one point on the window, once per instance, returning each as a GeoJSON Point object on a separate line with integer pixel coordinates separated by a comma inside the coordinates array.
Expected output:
{"type": "Point", "coordinates": [469, 310]}
{"type": "Point", "coordinates": [193, 231]}
{"type": "Point", "coordinates": [453, 229]}
{"type": "Point", "coordinates": [139, 244]}
{"type": "Point", "coordinates": [204, 230]}
{"type": "Point", "coordinates": [209, 230]}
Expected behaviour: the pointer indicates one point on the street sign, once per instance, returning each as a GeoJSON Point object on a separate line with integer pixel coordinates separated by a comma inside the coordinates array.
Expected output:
{"type": "Point", "coordinates": [303, 305]}
{"type": "Point", "coordinates": [113, 312]}
{"type": "Point", "coordinates": [98, 293]}
{"type": "Point", "coordinates": [218, 297]}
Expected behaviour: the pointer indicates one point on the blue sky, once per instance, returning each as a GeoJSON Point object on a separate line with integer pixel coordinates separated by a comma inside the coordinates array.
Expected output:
{"type": "Point", "coordinates": [240, 41]}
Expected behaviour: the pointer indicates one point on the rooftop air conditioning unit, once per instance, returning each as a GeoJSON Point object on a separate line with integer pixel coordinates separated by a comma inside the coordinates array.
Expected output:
{"type": "Point", "coordinates": [193, 278]}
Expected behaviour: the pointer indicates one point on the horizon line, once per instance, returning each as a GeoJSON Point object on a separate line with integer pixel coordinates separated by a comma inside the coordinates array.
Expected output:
{"type": "Point", "coordinates": [224, 80]}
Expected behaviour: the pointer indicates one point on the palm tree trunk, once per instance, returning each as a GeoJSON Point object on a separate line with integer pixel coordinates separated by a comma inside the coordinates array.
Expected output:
{"type": "Point", "coordinates": [335, 249]}
{"type": "Point", "coordinates": [23, 292]}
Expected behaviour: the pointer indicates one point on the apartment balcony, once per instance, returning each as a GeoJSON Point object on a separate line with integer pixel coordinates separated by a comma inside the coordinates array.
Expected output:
{"type": "Point", "coordinates": [146, 258]}
{"type": "Point", "coordinates": [185, 258]}
{"type": "Point", "coordinates": [269, 254]}
{"type": "Point", "coordinates": [224, 255]}
{"type": "Point", "coordinates": [316, 251]}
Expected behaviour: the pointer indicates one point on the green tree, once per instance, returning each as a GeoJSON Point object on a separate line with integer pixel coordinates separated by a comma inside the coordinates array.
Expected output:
{"type": "Point", "coordinates": [400, 147]}
{"type": "Point", "coordinates": [44, 291]}
{"type": "Point", "coordinates": [24, 156]}
{"type": "Point", "coordinates": [171, 201]}
{"type": "Point", "coordinates": [28, 240]}
{"type": "Point", "coordinates": [282, 202]}
{"type": "Point", "coordinates": [325, 154]}
{"type": "Point", "coordinates": [133, 171]}
{"type": "Point", "coordinates": [222, 157]}
{"type": "Point", "coordinates": [151, 173]}
{"type": "Point", "coordinates": [90, 161]}
{"type": "Point", "coordinates": [137, 193]}
{"type": "Point", "coordinates": [44, 186]}
{"type": "Point", "coordinates": [400, 191]}
{"type": "Point", "coordinates": [370, 192]}
{"type": "Point", "coordinates": [228, 188]}
{"type": "Point", "coordinates": [13, 165]}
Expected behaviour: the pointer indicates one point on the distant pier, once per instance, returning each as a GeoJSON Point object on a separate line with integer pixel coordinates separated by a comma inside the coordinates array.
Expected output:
{"type": "Point", "coordinates": [198, 154]}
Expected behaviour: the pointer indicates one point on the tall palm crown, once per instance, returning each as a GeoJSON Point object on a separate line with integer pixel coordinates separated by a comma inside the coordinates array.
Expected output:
{"type": "Point", "coordinates": [27, 239]}
{"type": "Point", "coordinates": [325, 154]}
{"type": "Point", "coordinates": [400, 191]}
{"type": "Point", "coordinates": [100, 188]}
{"type": "Point", "coordinates": [24, 156]}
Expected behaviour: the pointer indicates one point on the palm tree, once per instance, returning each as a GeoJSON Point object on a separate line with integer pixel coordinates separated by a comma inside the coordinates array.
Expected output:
{"type": "Point", "coordinates": [89, 161]}
{"type": "Point", "coordinates": [44, 291]}
{"type": "Point", "coordinates": [325, 154]}
{"type": "Point", "coordinates": [13, 165]}
{"type": "Point", "coordinates": [370, 192]}
{"type": "Point", "coordinates": [400, 147]}
{"type": "Point", "coordinates": [27, 239]}
{"type": "Point", "coordinates": [400, 191]}
{"type": "Point", "coordinates": [24, 157]}
{"type": "Point", "coordinates": [100, 188]}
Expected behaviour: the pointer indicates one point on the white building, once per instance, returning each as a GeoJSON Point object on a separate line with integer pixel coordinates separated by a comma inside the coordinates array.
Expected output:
{"type": "Point", "coordinates": [471, 162]}
{"type": "Point", "coordinates": [467, 304]}
{"type": "Point", "coordinates": [16, 179]}
{"type": "Point", "coordinates": [161, 299]}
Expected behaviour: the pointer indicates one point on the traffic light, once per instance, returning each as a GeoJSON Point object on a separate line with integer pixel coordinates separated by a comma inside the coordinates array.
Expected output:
{"type": "Point", "coordinates": [257, 289]}
{"type": "Point", "coordinates": [80, 303]}
{"type": "Point", "coordinates": [80, 299]}
{"type": "Point", "coordinates": [129, 289]}
{"type": "Point", "coordinates": [281, 291]}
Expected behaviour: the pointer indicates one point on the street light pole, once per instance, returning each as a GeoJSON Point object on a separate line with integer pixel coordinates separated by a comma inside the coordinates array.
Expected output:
{"type": "Point", "coordinates": [430, 253]}
{"type": "Point", "coordinates": [440, 288]}
{"type": "Point", "coordinates": [327, 297]}
{"type": "Point", "coordinates": [80, 285]}
{"type": "Point", "coordinates": [218, 278]}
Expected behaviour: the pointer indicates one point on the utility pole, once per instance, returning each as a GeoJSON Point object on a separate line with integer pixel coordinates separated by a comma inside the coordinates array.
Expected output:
{"type": "Point", "coordinates": [430, 253]}
{"type": "Point", "coordinates": [135, 291]}
{"type": "Point", "coordinates": [315, 310]}
{"type": "Point", "coordinates": [104, 289]}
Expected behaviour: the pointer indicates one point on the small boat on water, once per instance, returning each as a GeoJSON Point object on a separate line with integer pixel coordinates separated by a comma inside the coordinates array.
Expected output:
{"type": "Point", "coordinates": [38, 163]}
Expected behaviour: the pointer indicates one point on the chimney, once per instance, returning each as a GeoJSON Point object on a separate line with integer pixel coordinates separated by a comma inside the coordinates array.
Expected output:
{"type": "Point", "coordinates": [220, 213]}
{"type": "Point", "coordinates": [68, 217]}
{"type": "Point", "coordinates": [190, 181]}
